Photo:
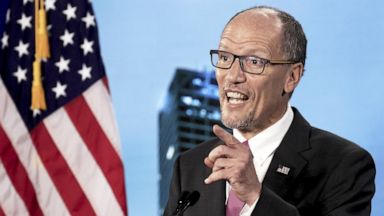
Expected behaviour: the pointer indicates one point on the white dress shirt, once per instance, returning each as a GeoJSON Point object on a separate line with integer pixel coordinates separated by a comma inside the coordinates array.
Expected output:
{"type": "Point", "coordinates": [263, 146]}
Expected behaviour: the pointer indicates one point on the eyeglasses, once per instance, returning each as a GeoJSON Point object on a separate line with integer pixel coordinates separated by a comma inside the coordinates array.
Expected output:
{"type": "Point", "coordinates": [249, 64]}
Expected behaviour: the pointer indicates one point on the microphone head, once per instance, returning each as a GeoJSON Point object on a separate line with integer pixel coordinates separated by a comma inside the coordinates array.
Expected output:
{"type": "Point", "coordinates": [181, 202]}
{"type": "Point", "coordinates": [183, 197]}
{"type": "Point", "coordinates": [193, 198]}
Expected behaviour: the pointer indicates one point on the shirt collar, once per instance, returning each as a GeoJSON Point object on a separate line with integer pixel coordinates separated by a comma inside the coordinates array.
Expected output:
{"type": "Point", "coordinates": [265, 143]}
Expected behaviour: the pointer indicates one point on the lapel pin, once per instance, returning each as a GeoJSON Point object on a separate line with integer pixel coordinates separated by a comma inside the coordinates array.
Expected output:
{"type": "Point", "coordinates": [283, 169]}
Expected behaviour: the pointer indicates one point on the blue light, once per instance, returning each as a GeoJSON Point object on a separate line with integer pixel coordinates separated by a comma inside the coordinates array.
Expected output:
{"type": "Point", "coordinates": [170, 152]}
{"type": "Point", "coordinates": [197, 82]}
{"type": "Point", "coordinates": [187, 100]}
{"type": "Point", "coordinates": [189, 112]}
{"type": "Point", "coordinates": [196, 102]}
{"type": "Point", "coordinates": [203, 113]}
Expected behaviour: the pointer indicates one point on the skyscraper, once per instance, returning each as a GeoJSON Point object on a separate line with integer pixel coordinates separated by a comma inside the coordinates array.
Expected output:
{"type": "Point", "coordinates": [191, 108]}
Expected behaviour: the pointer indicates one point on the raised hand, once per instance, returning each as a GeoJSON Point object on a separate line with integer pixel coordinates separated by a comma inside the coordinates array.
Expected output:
{"type": "Point", "coordinates": [233, 162]}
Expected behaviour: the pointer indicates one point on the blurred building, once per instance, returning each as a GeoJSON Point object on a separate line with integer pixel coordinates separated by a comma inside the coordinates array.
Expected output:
{"type": "Point", "coordinates": [190, 109]}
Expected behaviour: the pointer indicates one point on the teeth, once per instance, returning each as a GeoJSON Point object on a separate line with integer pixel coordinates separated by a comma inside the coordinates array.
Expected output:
{"type": "Point", "coordinates": [235, 101]}
{"type": "Point", "coordinates": [236, 95]}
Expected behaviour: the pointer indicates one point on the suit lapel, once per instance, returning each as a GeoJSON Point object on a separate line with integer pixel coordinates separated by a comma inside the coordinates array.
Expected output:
{"type": "Point", "coordinates": [216, 194]}
{"type": "Point", "coordinates": [287, 162]}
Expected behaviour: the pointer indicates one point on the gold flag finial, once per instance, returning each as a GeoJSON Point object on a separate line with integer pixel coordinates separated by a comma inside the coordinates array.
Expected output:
{"type": "Point", "coordinates": [41, 51]}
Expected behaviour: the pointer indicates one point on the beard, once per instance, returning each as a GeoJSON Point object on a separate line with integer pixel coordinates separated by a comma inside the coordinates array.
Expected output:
{"type": "Point", "coordinates": [245, 123]}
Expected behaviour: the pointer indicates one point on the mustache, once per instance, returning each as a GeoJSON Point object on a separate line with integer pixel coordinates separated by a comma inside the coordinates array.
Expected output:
{"type": "Point", "coordinates": [233, 86]}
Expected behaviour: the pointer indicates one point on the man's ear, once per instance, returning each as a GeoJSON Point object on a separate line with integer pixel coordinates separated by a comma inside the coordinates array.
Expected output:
{"type": "Point", "coordinates": [293, 78]}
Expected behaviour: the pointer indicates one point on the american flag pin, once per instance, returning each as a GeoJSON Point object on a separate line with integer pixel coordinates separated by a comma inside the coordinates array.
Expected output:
{"type": "Point", "coordinates": [283, 169]}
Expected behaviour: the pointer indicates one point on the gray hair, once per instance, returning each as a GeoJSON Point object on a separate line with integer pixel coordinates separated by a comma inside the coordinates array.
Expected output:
{"type": "Point", "coordinates": [294, 42]}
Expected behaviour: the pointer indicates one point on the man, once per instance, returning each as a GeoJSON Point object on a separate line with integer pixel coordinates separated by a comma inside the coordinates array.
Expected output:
{"type": "Point", "coordinates": [275, 163]}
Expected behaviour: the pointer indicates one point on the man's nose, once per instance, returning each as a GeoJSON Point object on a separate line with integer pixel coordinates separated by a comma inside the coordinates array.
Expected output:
{"type": "Point", "coordinates": [235, 73]}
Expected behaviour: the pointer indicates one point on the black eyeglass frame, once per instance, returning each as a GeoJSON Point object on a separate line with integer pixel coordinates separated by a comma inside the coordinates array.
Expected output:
{"type": "Point", "coordinates": [264, 60]}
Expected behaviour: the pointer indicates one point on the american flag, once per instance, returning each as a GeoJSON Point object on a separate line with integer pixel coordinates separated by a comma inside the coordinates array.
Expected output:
{"type": "Point", "coordinates": [64, 160]}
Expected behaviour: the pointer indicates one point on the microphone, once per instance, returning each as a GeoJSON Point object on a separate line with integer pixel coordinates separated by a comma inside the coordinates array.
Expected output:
{"type": "Point", "coordinates": [181, 202]}
{"type": "Point", "coordinates": [192, 198]}
{"type": "Point", "coordinates": [189, 199]}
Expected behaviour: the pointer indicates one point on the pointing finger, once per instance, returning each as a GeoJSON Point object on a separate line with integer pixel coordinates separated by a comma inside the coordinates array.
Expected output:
{"type": "Point", "coordinates": [226, 137]}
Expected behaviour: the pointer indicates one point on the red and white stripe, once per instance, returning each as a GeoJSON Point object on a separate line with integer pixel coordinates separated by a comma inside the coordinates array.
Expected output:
{"type": "Point", "coordinates": [69, 164]}
{"type": "Point", "coordinates": [11, 202]}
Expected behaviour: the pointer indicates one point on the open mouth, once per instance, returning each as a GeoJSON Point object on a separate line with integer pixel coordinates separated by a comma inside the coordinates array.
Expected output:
{"type": "Point", "coordinates": [236, 97]}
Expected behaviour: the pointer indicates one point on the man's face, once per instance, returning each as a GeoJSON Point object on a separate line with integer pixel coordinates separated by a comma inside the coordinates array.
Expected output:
{"type": "Point", "coordinates": [252, 102]}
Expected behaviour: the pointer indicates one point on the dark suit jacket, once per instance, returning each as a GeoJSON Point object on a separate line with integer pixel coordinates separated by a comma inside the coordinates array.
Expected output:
{"type": "Point", "coordinates": [328, 176]}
